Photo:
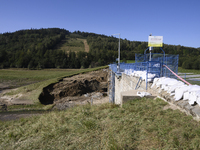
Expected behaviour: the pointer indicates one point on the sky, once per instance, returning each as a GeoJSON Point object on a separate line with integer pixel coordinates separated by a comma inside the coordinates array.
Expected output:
{"type": "Point", "coordinates": [178, 21]}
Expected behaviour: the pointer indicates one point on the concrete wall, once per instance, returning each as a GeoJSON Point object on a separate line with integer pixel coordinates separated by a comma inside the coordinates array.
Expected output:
{"type": "Point", "coordinates": [126, 83]}
{"type": "Point", "coordinates": [125, 89]}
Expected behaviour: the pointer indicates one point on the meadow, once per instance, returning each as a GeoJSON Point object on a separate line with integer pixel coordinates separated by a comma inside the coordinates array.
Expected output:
{"type": "Point", "coordinates": [20, 77]}
{"type": "Point", "coordinates": [139, 124]}
{"type": "Point", "coordinates": [130, 61]}
{"type": "Point", "coordinates": [191, 71]}
{"type": "Point", "coordinates": [72, 44]}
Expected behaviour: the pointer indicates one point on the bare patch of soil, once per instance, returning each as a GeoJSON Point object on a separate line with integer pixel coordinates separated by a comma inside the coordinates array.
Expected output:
{"type": "Point", "coordinates": [86, 45]}
{"type": "Point", "coordinates": [76, 90]}
{"type": "Point", "coordinates": [89, 98]}
{"type": "Point", "coordinates": [75, 87]}
{"type": "Point", "coordinates": [15, 116]}
{"type": "Point", "coordinates": [168, 106]}
{"type": "Point", "coordinates": [5, 85]}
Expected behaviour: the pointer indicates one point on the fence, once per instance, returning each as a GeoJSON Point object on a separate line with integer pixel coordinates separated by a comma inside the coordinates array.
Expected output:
{"type": "Point", "coordinates": [152, 63]}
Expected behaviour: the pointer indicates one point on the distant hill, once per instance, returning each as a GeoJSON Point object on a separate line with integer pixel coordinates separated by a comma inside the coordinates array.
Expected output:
{"type": "Point", "coordinates": [59, 48]}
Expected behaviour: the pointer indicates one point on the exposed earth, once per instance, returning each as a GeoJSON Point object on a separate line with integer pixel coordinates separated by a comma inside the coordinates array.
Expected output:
{"type": "Point", "coordinates": [76, 90]}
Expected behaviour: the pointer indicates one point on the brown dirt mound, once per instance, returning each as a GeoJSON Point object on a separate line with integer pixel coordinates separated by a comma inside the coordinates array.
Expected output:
{"type": "Point", "coordinates": [77, 85]}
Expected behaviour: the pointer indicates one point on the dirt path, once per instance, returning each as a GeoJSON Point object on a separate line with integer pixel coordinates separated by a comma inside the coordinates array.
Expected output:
{"type": "Point", "coordinates": [14, 116]}
{"type": "Point", "coordinates": [86, 45]}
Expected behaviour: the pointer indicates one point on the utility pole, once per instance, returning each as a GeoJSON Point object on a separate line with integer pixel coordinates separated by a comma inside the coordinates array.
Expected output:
{"type": "Point", "coordinates": [118, 67]}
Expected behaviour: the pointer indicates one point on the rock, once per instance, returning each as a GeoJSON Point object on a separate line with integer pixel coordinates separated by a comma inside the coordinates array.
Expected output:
{"type": "Point", "coordinates": [181, 103]}
{"type": "Point", "coordinates": [188, 108]}
{"type": "Point", "coordinates": [86, 95]}
{"type": "Point", "coordinates": [196, 111]}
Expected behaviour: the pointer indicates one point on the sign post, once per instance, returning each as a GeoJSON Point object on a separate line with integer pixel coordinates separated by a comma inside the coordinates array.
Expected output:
{"type": "Point", "coordinates": [154, 41]}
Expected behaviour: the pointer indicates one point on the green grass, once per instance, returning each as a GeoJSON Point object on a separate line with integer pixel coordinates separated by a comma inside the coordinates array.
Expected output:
{"type": "Point", "coordinates": [130, 61]}
{"type": "Point", "coordinates": [72, 44]}
{"type": "Point", "coordinates": [180, 69]}
{"type": "Point", "coordinates": [18, 77]}
{"type": "Point", "coordinates": [32, 75]}
{"type": "Point", "coordinates": [27, 108]}
{"type": "Point", "coordinates": [139, 124]}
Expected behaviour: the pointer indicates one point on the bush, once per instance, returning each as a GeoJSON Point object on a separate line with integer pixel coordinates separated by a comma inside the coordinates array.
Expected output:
{"type": "Point", "coordinates": [196, 65]}
{"type": "Point", "coordinates": [180, 61]}
{"type": "Point", "coordinates": [187, 64]}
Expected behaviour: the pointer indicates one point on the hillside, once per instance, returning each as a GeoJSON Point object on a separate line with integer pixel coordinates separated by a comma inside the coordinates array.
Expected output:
{"type": "Point", "coordinates": [59, 48]}
{"type": "Point", "coordinates": [139, 124]}
{"type": "Point", "coordinates": [72, 44]}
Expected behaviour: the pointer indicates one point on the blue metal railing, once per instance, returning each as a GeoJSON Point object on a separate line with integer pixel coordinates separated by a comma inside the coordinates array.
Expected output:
{"type": "Point", "coordinates": [155, 66]}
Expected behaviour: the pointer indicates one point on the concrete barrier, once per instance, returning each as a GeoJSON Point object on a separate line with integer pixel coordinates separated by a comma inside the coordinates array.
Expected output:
{"type": "Point", "coordinates": [125, 90]}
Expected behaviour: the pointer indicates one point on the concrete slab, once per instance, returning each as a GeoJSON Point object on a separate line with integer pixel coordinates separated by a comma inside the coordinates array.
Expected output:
{"type": "Point", "coordinates": [188, 108]}
{"type": "Point", "coordinates": [196, 111]}
{"type": "Point", "coordinates": [132, 94]}
{"type": "Point", "coordinates": [181, 103]}
{"type": "Point", "coordinates": [169, 98]}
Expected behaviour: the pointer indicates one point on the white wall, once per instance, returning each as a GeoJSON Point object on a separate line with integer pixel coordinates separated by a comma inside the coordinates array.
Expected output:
{"type": "Point", "coordinates": [126, 83]}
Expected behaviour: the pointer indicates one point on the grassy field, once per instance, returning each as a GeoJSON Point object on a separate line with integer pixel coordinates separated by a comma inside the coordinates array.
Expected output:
{"type": "Point", "coordinates": [139, 124]}
{"type": "Point", "coordinates": [42, 78]}
{"type": "Point", "coordinates": [180, 69]}
{"type": "Point", "coordinates": [24, 76]}
{"type": "Point", "coordinates": [72, 44]}
{"type": "Point", "coordinates": [192, 71]}
{"type": "Point", "coordinates": [19, 75]}
{"type": "Point", "coordinates": [130, 61]}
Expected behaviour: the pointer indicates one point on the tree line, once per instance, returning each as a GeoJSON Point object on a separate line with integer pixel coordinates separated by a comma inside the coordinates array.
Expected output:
{"type": "Point", "coordinates": [36, 48]}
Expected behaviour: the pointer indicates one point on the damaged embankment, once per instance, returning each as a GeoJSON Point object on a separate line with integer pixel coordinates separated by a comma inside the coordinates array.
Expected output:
{"type": "Point", "coordinates": [95, 81]}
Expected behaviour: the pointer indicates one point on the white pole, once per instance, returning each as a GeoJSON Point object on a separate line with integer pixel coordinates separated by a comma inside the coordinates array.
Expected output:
{"type": "Point", "coordinates": [119, 54]}
{"type": "Point", "coordinates": [118, 67]}
{"type": "Point", "coordinates": [150, 49]}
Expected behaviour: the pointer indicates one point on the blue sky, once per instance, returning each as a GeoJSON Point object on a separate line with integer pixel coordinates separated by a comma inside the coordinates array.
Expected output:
{"type": "Point", "coordinates": [178, 21]}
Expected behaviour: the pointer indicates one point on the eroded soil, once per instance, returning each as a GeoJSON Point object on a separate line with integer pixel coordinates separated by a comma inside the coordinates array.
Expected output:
{"type": "Point", "coordinates": [76, 90]}
{"type": "Point", "coordinates": [79, 89]}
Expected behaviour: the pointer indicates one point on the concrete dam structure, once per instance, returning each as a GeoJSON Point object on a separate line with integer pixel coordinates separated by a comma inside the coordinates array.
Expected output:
{"type": "Point", "coordinates": [153, 75]}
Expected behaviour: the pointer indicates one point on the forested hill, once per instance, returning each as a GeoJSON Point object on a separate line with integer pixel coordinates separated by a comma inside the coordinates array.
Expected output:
{"type": "Point", "coordinates": [40, 48]}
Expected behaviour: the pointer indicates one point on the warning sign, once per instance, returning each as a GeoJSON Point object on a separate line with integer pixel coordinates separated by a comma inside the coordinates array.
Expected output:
{"type": "Point", "coordinates": [155, 41]}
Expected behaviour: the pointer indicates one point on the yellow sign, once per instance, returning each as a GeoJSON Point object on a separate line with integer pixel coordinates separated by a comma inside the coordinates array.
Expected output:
{"type": "Point", "coordinates": [155, 41]}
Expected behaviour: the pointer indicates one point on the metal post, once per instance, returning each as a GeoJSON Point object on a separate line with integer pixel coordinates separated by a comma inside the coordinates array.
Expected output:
{"type": "Point", "coordinates": [150, 49]}
{"type": "Point", "coordinates": [119, 54]}
{"type": "Point", "coordinates": [150, 54]}
{"type": "Point", "coordinates": [118, 67]}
